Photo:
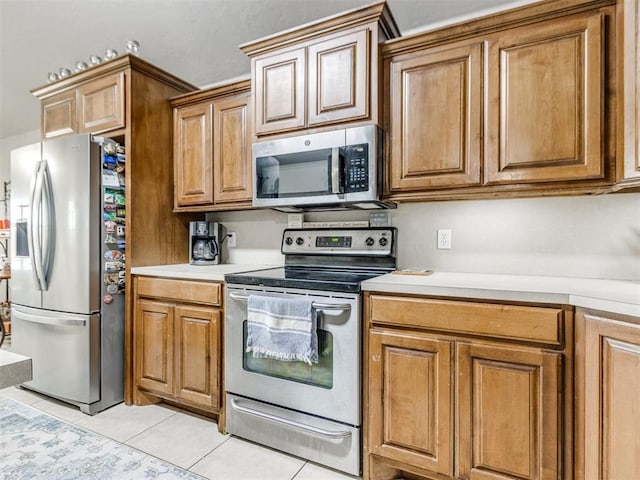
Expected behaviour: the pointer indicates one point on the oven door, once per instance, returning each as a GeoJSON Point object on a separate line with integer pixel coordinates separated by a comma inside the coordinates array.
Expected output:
{"type": "Point", "coordinates": [330, 388]}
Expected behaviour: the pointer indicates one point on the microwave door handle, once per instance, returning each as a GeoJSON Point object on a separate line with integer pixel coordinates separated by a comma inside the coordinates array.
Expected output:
{"type": "Point", "coordinates": [335, 171]}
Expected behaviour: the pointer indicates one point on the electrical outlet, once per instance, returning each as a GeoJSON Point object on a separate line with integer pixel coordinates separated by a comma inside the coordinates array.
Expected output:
{"type": "Point", "coordinates": [444, 239]}
{"type": "Point", "coordinates": [231, 239]}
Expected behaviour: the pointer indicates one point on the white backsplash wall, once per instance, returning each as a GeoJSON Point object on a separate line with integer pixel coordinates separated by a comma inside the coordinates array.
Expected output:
{"type": "Point", "coordinates": [586, 236]}
{"type": "Point", "coordinates": [258, 236]}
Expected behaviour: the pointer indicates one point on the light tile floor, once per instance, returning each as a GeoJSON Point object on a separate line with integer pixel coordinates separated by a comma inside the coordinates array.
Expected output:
{"type": "Point", "coordinates": [183, 439]}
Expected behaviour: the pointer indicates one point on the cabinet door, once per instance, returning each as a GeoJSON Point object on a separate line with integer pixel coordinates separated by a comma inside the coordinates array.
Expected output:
{"type": "Point", "coordinates": [410, 399]}
{"type": "Point", "coordinates": [280, 91]}
{"type": "Point", "coordinates": [197, 361]}
{"type": "Point", "coordinates": [631, 97]}
{"type": "Point", "coordinates": [508, 412]}
{"type": "Point", "coordinates": [59, 115]}
{"type": "Point", "coordinates": [611, 369]}
{"type": "Point", "coordinates": [338, 79]}
{"type": "Point", "coordinates": [232, 138]}
{"type": "Point", "coordinates": [101, 104]}
{"type": "Point", "coordinates": [545, 112]}
{"type": "Point", "coordinates": [435, 118]}
{"type": "Point", "coordinates": [154, 330]}
{"type": "Point", "coordinates": [193, 156]}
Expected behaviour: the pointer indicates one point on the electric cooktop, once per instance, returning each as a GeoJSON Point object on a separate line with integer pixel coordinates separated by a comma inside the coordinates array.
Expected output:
{"type": "Point", "coordinates": [335, 260]}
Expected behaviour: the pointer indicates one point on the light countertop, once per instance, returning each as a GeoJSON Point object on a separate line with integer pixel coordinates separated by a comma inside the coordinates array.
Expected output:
{"type": "Point", "coordinates": [14, 369]}
{"type": "Point", "coordinates": [196, 272]}
{"type": "Point", "coordinates": [614, 296]}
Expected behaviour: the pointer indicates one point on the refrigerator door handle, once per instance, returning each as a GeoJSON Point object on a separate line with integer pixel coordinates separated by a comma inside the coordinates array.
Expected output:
{"type": "Point", "coordinates": [35, 226]}
{"type": "Point", "coordinates": [48, 234]}
{"type": "Point", "coordinates": [57, 322]}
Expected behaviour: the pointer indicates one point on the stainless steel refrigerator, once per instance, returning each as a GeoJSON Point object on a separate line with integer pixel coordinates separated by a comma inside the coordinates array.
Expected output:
{"type": "Point", "coordinates": [67, 262]}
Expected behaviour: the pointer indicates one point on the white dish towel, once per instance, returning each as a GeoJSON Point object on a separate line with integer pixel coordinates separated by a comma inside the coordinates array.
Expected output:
{"type": "Point", "coordinates": [282, 328]}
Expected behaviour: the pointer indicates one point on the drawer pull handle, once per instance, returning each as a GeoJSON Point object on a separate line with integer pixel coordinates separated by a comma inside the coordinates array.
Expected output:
{"type": "Point", "coordinates": [292, 423]}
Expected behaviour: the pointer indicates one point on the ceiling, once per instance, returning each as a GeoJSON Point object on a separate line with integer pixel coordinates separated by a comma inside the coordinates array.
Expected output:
{"type": "Point", "coordinates": [197, 40]}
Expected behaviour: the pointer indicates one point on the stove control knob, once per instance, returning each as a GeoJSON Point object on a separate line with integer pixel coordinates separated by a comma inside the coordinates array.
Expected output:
{"type": "Point", "coordinates": [383, 242]}
{"type": "Point", "coordinates": [299, 241]}
{"type": "Point", "coordinates": [288, 240]}
{"type": "Point", "coordinates": [369, 241]}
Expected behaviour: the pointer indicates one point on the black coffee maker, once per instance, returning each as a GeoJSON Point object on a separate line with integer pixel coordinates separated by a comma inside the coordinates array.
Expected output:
{"type": "Point", "coordinates": [204, 243]}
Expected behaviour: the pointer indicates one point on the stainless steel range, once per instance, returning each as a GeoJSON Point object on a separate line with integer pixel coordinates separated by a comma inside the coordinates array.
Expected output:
{"type": "Point", "coordinates": [313, 411]}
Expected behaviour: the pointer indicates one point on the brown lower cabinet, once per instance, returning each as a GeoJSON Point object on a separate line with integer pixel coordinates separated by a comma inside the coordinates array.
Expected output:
{"type": "Point", "coordinates": [467, 390]}
{"type": "Point", "coordinates": [178, 342]}
{"type": "Point", "coordinates": [607, 396]}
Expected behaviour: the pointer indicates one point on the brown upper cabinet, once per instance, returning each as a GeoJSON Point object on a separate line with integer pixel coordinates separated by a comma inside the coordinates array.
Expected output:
{"type": "Point", "coordinates": [544, 112]}
{"type": "Point", "coordinates": [101, 104]}
{"type": "Point", "coordinates": [436, 117]}
{"type": "Point", "coordinates": [93, 106]}
{"type": "Point", "coordinates": [59, 115]}
{"type": "Point", "coordinates": [629, 171]}
{"type": "Point", "coordinates": [522, 102]}
{"type": "Point", "coordinates": [212, 148]}
{"type": "Point", "coordinates": [321, 73]}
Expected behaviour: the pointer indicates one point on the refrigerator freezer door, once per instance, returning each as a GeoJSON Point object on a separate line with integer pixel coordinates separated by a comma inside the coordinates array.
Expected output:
{"type": "Point", "coordinates": [24, 285]}
{"type": "Point", "coordinates": [73, 277]}
{"type": "Point", "coordinates": [65, 352]}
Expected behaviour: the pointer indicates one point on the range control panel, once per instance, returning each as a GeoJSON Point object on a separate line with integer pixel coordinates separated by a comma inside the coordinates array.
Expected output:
{"type": "Point", "coordinates": [341, 241]}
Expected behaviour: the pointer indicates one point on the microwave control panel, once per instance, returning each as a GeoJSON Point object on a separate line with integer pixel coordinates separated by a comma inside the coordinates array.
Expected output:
{"type": "Point", "coordinates": [357, 168]}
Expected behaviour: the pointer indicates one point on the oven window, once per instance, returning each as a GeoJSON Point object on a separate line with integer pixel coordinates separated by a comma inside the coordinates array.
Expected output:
{"type": "Point", "coordinates": [319, 374]}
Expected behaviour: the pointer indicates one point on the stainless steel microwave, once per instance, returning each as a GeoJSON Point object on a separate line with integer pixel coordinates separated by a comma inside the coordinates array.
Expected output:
{"type": "Point", "coordinates": [326, 170]}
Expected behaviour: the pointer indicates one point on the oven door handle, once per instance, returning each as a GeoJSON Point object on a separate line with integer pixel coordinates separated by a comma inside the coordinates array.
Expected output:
{"type": "Point", "coordinates": [316, 305]}
{"type": "Point", "coordinates": [292, 423]}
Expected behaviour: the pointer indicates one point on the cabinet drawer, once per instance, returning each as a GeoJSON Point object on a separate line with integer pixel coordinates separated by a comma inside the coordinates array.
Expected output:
{"type": "Point", "coordinates": [530, 324]}
{"type": "Point", "coordinates": [180, 290]}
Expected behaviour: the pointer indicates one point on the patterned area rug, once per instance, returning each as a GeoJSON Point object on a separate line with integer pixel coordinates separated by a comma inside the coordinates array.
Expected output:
{"type": "Point", "coordinates": [34, 445]}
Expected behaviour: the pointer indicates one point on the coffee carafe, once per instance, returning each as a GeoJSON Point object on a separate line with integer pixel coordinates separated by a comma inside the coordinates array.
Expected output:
{"type": "Point", "coordinates": [204, 243]}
